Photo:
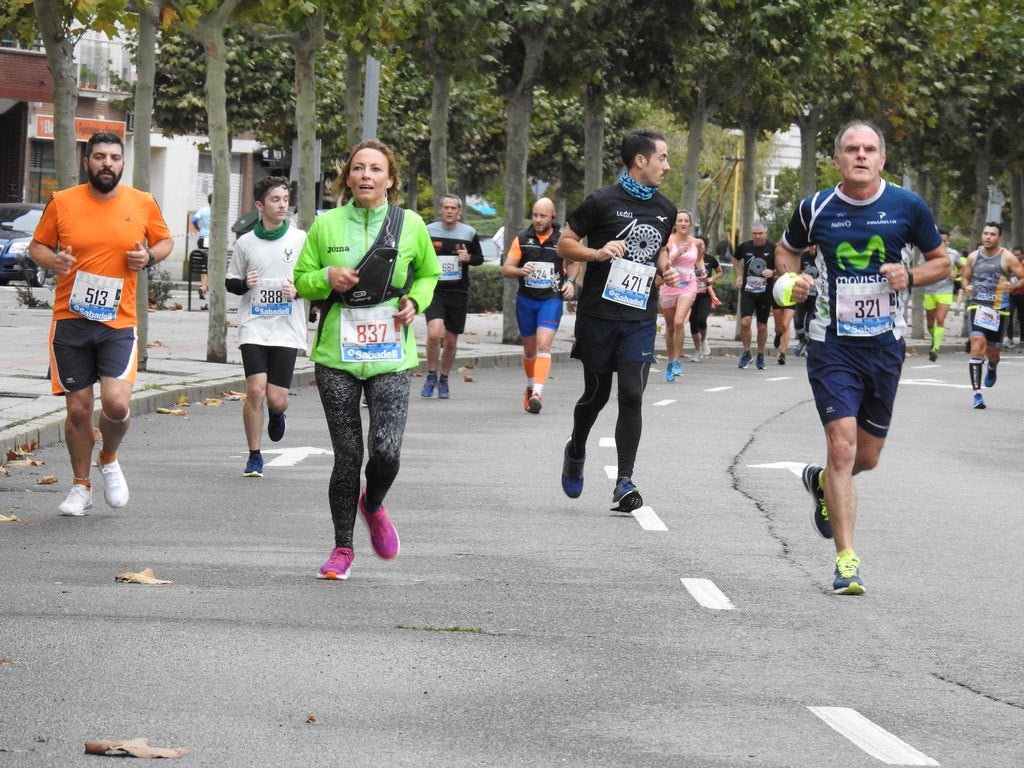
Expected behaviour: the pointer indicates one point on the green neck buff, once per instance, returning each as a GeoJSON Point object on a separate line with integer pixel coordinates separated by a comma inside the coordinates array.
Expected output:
{"type": "Point", "coordinates": [273, 234]}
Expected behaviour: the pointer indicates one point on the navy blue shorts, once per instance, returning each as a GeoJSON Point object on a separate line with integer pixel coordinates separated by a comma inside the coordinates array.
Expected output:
{"type": "Point", "coordinates": [602, 344]}
{"type": "Point", "coordinates": [532, 314]}
{"type": "Point", "coordinates": [858, 381]}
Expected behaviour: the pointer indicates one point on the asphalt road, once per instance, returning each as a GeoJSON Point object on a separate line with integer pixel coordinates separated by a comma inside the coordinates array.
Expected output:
{"type": "Point", "coordinates": [522, 628]}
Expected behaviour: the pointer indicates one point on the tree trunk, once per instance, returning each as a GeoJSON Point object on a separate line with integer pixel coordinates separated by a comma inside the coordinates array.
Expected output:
{"type": "Point", "coordinates": [982, 161]}
{"type": "Point", "coordinates": [353, 99]}
{"type": "Point", "coordinates": [694, 148]}
{"type": "Point", "coordinates": [145, 63]}
{"type": "Point", "coordinates": [306, 48]}
{"type": "Point", "coordinates": [1016, 209]}
{"type": "Point", "coordinates": [808, 125]}
{"type": "Point", "coordinates": [60, 51]}
{"type": "Point", "coordinates": [748, 185]}
{"type": "Point", "coordinates": [440, 98]}
{"type": "Point", "coordinates": [518, 109]}
{"type": "Point", "coordinates": [210, 32]}
{"type": "Point", "coordinates": [593, 137]}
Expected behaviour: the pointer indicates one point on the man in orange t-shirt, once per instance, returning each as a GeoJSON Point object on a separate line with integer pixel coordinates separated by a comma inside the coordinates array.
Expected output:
{"type": "Point", "coordinates": [97, 237]}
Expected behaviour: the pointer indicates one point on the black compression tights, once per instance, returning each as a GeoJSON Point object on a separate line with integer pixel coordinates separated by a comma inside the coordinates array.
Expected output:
{"type": "Point", "coordinates": [387, 398]}
{"type": "Point", "coordinates": [629, 424]}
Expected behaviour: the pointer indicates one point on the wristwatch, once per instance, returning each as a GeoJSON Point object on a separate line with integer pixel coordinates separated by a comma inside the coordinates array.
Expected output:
{"type": "Point", "coordinates": [152, 259]}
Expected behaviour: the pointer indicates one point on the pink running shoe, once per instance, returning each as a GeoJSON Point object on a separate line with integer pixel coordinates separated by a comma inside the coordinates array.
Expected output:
{"type": "Point", "coordinates": [383, 535]}
{"type": "Point", "coordinates": [338, 564]}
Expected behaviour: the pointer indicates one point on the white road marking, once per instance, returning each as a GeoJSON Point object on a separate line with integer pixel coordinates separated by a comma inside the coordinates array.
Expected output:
{"type": "Point", "coordinates": [795, 467]}
{"type": "Point", "coordinates": [717, 389]}
{"type": "Point", "coordinates": [873, 739]}
{"type": "Point", "coordinates": [933, 383]}
{"type": "Point", "coordinates": [663, 402]}
{"type": "Point", "coordinates": [612, 472]}
{"type": "Point", "coordinates": [707, 594]}
{"type": "Point", "coordinates": [291, 456]}
{"type": "Point", "coordinates": [607, 442]}
{"type": "Point", "coordinates": [648, 520]}
{"type": "Point", "coordinates": [779, 378]}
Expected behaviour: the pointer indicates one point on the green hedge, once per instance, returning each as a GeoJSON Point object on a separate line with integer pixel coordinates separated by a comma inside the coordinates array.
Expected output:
{"type": "Point", "coordinates": [485, 287]}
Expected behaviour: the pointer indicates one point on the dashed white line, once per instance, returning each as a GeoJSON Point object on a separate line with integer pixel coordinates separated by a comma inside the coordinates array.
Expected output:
{"type": "Point", "coordinates": [779, 378]}
{"type": "Point", "coordinates": [717, 389]}
{"type": "Point", "coordinates": [607, 442]}
{"type": "Point", "coordinates": [796, 467]}
{"type": "Point", "coordinates": [648, 520]}
{"type": "Point", "coordinates": [663, 402]}
{"type": "Point", "coordinates": [612, 472]}
{"type": "Point", "coordinates": [873, 739]}
{"type": "Point", "coordinates": [933, 383]}
{"type": "Point", "coordinates": [707, 594]}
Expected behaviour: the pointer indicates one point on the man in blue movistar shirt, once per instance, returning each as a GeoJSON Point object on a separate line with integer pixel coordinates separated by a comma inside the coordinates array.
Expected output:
{"type": "Point", "coordinates": [861, 229]}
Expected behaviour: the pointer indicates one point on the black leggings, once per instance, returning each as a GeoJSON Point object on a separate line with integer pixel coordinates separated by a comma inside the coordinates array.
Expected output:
{"type": "Point", "coordinates": [699, 314]}
{"type": "Point", "coordinates": [596, 389]}
{"type": "Point", "coordinates": [387, 397]}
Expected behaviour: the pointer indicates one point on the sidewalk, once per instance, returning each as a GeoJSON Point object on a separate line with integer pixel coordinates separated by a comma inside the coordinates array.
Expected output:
{"type": "Point", "coordinates": [177, 361]}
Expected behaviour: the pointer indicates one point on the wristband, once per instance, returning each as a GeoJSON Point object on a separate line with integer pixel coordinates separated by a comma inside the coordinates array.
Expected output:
{"type": "Point", "coordinates": [910, 279]}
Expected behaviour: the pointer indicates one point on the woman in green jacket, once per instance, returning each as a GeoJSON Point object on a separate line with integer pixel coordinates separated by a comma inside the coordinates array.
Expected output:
{"type": "Point", "coordinates": [373, 266]}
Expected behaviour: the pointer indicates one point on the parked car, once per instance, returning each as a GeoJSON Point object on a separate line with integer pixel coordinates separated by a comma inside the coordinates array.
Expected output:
{"type": "Point", "coordinates": [17, 223]}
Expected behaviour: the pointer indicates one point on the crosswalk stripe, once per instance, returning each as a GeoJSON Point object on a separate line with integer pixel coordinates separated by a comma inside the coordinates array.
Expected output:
{"type": "Point", "coordinates": [707, 594]}
{"type": "Point", "coordinates": [648, 520]}
{"type": "Point", "coordinates": [873, 739]}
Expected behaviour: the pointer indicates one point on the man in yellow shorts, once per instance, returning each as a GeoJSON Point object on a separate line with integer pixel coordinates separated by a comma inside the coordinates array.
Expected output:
{"type": "Point", "coordinates": [937, 298]}
{"type": "Point", "coordinates": [97, 237]}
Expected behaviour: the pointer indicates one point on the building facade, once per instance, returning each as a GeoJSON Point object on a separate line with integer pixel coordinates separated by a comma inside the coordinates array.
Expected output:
{"type": "Point", "coordinates": [181, 169]}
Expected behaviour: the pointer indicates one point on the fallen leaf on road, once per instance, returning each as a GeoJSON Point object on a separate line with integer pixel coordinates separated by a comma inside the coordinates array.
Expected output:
{"type": "Point", "coordinates": [48, 480]}
{"type": "Point", "coordinates": [155, 344]}
{"type": "Point", "coordinates": [4, 472]}
{"type": "Point", "coordinates": [172, 411]}
{"type": "Point", "coordinates": [25, 449]}
{"type": "Point", "coordinates": [26, 463]}
{"type": "Point", "coordinates": [142, 577]}
{"type": "Point", "coordinates": [131, 748]}
{"type": "Point", "coordinates": [467, 367]}
{"type": "Point", "coordinates": [311, 718]}
{"type": "Point", "coordinates": [467, 378]}
{"type": "Point", "coordinates": [213, 402]}
{"type": "Point", "coordinates": [9, 519]}
{"type": "Point", "coordinates": [5, 661]}
{"type": "Point", "coordinates": [232, 395]}
{"type": "Point", "coordinates": [182, 400]}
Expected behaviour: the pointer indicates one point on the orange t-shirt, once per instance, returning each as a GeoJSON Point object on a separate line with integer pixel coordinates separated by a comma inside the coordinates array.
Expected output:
{"type": "Point", "coordinates": [100, 233]}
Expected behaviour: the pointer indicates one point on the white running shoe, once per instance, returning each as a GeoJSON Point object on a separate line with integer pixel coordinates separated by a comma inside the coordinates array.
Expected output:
{"type": "Point", "coordinates": [115, 489]}
{"type": "Point", "coordinates": [705, 349]}
{"type": "Point", "coordinates": [78, 500]}
{"type": "Point", "coordinates": [695, 357]}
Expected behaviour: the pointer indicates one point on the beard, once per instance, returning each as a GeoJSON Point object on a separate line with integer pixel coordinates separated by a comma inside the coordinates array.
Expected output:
{"type": "Point", "coordinates": [104, 184]}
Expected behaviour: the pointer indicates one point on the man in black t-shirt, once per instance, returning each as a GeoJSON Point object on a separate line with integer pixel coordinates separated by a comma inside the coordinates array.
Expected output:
{"type": "Point", "coordinates": [626, 226]}
{"type": "Point", "coordinates": [754, 264]}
